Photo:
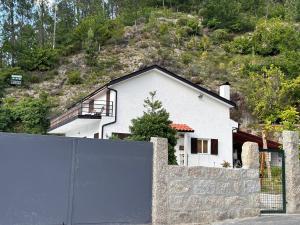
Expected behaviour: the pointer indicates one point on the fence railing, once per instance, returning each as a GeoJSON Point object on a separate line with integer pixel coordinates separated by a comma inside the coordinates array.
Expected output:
{"type": "Point", "coordinates": [92, 109]}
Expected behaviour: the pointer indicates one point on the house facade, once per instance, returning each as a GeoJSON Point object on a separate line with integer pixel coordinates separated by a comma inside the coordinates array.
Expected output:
{"type": "Point", "coordinates": [201, 117]}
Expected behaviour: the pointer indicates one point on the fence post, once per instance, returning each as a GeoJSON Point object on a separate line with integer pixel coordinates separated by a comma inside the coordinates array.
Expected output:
{"type": "Point", "coordinates": [159, 183]}
{"type": "Point", "coordinates": [290, 140]}
{"type": "Point", "coordinates": [250, 155]}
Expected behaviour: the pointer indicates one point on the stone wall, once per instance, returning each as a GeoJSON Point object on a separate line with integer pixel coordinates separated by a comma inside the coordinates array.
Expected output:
{"type": "Point", "coordinates": [200, 195]}
{"type": "Point", "coordinates": [290, 144]}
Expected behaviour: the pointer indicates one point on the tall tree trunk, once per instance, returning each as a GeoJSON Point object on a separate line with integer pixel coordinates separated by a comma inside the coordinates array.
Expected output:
{"type": "Point", "coordinates": [54, 27]}
{"type": "Point", "coordinates": [12, 31]}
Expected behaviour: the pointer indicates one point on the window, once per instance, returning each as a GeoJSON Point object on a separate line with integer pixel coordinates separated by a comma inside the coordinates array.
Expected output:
{"type": "Point", "coordinates": [202, 146]}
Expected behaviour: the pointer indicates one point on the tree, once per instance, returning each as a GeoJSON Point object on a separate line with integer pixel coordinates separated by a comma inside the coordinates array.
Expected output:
{"type": "Point", "coordinates": [155, 122]}
{"type": "Point", "coordinates": [266, 97]}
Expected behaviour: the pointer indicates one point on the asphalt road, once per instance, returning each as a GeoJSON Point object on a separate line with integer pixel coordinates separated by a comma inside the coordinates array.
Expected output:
{"type": "Point", "coordinates": [265, 219]}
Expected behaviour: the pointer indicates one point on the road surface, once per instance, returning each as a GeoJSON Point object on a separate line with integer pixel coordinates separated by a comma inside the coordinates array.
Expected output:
{"type": "Point", "coordinates": [265, 220]}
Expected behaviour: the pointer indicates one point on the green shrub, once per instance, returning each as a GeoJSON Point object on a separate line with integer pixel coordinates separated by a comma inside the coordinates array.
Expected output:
{"type": "Point", "coordinates": [41, 59]}
{"type": "Point", "coordinates": [28, 115]}
{"type": "Point", "coordinates": [51, 74]}
{"type": "Point", "coordinates": [220, 36]}
{"type": "Point", "coordinates": [274, 36]}
{"type": "Point", "coordinates": [289, 63]}
{"type": "Point", "coordinates": [74, 77]}
{"type": "Point", "coordinates": [192, 25]}
{"type": "Point", "coordinates": [186, 58]}
{"type": "Point", "coordinates": [205, 43]}
{"type": "Point", "coordinates": [277, 11]}
{"type": "Point", "coordinates": [240, 45]}
{"type": "Point", "coordinates": [163, 28]}
{"type": "Point", "coordinates": [184, 32]}
{"type": "Point", "coordinates": [243, 23]}
{"type": "Point", "coordinates": [165, 40]}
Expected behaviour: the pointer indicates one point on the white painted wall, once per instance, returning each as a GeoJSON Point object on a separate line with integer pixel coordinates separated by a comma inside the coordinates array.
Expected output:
{"type": "Point", "coordinates": [208, 116]}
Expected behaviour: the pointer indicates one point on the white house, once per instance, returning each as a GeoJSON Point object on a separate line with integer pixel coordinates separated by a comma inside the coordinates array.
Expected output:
{"type": "Point", "coordinates": [201, 117]}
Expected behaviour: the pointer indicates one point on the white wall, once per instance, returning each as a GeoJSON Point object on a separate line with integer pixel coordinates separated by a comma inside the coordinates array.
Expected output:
{"type": "Point", "coordinates": [207, 116]}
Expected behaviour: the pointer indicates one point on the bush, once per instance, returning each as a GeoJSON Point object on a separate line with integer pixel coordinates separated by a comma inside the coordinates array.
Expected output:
{"type": "Point", "coordinates": [274, 36]}
{"type": "Point", "coordinates": [220, 36]}
{"type": "Point", "coordinates": [192, 25]}
{"type": "Point", "coordinates": [205, 43]}
{"type": "Point", "coordinates": [166, 40]}
{"type": "Point", "coordinates": [74, 77]}
{"type": "Point", "coordinates": [163, 29]}
{"type": "Point", "coordinates": [289, 63]}
{"type": "Point", "coordinates": [242, 23]}
{"type": "Point", "coordinates": [28, 115]}
{"type": "Point", "coordinates": [41, 59]}
{"type": "Point", "coordinates": [240, 45]}
{"type": "Point", "coordinates": [186, 58]}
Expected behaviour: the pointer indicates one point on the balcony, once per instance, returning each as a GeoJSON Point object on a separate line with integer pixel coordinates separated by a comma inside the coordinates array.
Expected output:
{"type": "Point", "coordinates": [85, 110]}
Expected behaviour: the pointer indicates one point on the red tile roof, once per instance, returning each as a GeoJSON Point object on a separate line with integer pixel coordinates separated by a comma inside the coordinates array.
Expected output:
{"type": "Point", "coordinates": [182, 127]}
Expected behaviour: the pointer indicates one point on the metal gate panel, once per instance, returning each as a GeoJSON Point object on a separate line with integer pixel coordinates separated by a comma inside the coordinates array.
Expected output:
{"type": "Point", "coordinates": [49, 180]}
{"type": "Point", "coordinates": [34, 176]}
{"type": "Point", "coordinates": [272, 180]}
{"type": "Point", "coordinates": [120, 177]}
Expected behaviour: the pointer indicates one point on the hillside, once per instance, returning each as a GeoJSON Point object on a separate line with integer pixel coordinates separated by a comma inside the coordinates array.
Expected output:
{"type": "Point", "coordinates": [179, 42]}
{"type": "Point", "coordinates": [139, 47]}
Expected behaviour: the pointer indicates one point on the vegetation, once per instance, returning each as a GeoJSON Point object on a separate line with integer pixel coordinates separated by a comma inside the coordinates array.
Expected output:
{"type": "Point", "coordinates": [74, 77]}
{"type": "Point", "coordinates": [253, 44]}
{"type": "Point", "coordinates": [155, 122]}
{"type": "Point", "coordinates": [26, 115]}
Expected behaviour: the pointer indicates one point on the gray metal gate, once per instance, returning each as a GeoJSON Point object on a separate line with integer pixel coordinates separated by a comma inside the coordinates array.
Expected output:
{"type": "Point", "coordinates": [49, 180]}
{"type": "Point", "coordinates": [272, 181]}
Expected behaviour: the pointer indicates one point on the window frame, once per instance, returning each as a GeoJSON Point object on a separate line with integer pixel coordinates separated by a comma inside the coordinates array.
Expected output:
{"type": "Point", "coordinates": [208, 146]}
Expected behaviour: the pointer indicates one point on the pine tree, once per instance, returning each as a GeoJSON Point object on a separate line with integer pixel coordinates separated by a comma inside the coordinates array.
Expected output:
{"type": "Point", "coordinates": [155, 122]}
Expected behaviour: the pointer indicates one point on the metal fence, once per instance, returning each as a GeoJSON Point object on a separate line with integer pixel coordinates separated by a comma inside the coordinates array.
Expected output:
{"type": "Point", "coordinates": [50, 180]}
{"type": "Point", "coordinates": [272, 180]}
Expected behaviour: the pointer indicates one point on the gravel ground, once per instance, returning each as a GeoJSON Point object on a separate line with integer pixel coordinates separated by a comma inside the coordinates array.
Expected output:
{"type": "Point", "coordinates": [266, 220]}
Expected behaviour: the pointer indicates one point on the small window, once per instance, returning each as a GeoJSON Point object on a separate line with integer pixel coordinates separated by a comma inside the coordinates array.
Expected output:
{"type": "Point", "coordinates": [181, 147]}
{"type": "Point", "coordinates": [202, 146]}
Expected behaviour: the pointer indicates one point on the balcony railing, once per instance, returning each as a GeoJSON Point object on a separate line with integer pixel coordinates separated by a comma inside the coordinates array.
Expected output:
{"type": "Point", "coordinates": [91, 110]}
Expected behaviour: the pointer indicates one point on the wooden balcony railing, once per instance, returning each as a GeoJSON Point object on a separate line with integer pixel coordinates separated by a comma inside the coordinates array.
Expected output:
{"type": "Point", "coordinates": [91, 110]}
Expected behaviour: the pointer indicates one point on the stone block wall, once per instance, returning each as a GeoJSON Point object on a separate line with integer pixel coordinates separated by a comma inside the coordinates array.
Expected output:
{"type": "Point", "coordinates": [200, 195]}
{"type": "Point", "coordinates": [292, 170]}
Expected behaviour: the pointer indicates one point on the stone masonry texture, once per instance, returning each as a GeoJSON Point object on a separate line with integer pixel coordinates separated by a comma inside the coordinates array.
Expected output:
{"type": "Point", "coordinates": [201, 195]}
{"type": "Point", "coordinates": [250, 154]}
{"type": "Point", "coordinates": [290, 141]}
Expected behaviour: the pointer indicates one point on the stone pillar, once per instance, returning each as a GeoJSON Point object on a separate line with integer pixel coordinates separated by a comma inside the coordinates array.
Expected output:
{"type": "Point", "coordinates": [250, 155]}
{"type": "Point", "coordinates": [159, 182]}
{"type": "Point", "coordinates": [290, 140]}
